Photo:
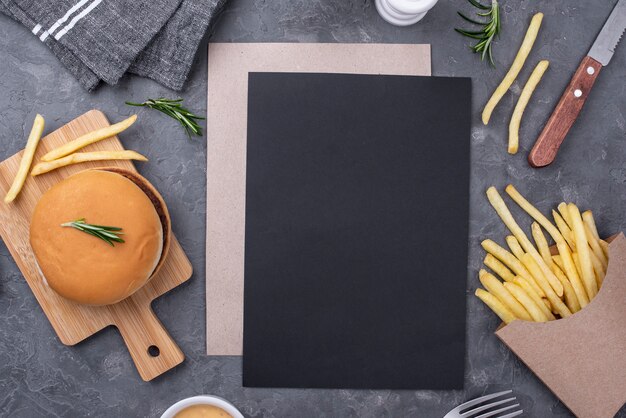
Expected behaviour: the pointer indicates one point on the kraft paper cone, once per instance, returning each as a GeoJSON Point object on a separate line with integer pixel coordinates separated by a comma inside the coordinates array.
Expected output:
{"type": "Point", "coordinates": [582, 359]}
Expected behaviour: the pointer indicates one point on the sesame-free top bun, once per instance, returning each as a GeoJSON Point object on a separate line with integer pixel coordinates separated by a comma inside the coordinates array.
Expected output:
{"type": "Point", "coordinates": [84, 268]}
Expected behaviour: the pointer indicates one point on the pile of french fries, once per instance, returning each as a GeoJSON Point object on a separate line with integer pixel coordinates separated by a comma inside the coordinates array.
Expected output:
{"type": "Point", "coordinates": [66, 154]}
{"type": "Point", "coordinates": [533, 282]}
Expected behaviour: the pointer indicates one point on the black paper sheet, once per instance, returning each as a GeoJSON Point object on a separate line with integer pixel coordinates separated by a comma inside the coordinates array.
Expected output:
{"type": "Point", "coordinates": [357, 208]}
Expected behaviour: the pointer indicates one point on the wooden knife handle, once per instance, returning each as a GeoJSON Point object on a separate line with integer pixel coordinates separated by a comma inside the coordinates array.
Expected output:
{"type": "Point", "coordinates": [565, 113]}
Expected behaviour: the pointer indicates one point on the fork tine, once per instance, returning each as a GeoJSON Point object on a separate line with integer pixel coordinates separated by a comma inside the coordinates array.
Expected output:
{"type": "Point", "coordinates": [497, 411]}
{"type": "Point", "coordinates": [481, 400]}
{"type": "Point", "coordinates": [513, 414]}
{"type": "Point", "coordinates": [474, 411]}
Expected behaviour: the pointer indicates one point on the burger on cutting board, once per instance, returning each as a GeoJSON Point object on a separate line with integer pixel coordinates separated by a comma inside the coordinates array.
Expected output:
{"type": "Point", "coordinates": [100, 235]}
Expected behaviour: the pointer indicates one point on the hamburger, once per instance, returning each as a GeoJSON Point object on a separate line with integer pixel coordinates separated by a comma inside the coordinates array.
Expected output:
{"type": "Point", "coordinates": [85, 269]}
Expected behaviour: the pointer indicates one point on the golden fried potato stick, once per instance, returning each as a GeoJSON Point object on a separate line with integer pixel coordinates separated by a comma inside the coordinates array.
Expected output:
{"type": "Point", "coordinates": [605, 247]}
{"type": "Point", "coordinates": [518, 63]}
{"type": "Point", "coordinates": [569, 295]}
{"type": "Point", "coordinates": [582, 248]}
{"type": "Point", "coordinates": [522, 102]}
{"type": "Point", "coordinates": [81, 157]}
{"type": "Point", "coordinates": [555, 301]}
{"type": "Point", "coordinates": [513, 244]}
{"type": "Point", "coordinates": [577, 263]}
{"type": "Point", "coordinates": [589, 221]}
{"type": "Point", "coordinates": [503, 211]}
{"type": "Point", "coordinates": [541, 243]}
{"type": "Point", "coordinates": [598, 271]}
{"type": "Point", "coordinates": [89, 138]}
{"type": "Point", "coordinates": [499, 268]}
{"type": "Point", "coordinates": [495, 287]}
{"type": "Point", "coordinates": [543, 304]}
{"type": "Point", "coordinates": [527, 302]}
{"type": "Point", "coordinates": [566, 232]}
{"type": "Point", "coordinates": [27, 159]}
{"type": "Point", "coordinates": [595, 247]}
{"type": "Point", "coordinates": [510, 261]}
{"type": "Point", "coordinates": [565, 214]}
{"type": "Point", "coordinates": [563, 248]}
{"type": "Point", "coordinates": [558, 260]}
{"type": "Point", "coordinates": [496, 306]}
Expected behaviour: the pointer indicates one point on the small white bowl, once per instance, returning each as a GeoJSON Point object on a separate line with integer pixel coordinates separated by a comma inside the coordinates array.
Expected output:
{"type": "Point", "coordinates": [202, 400]}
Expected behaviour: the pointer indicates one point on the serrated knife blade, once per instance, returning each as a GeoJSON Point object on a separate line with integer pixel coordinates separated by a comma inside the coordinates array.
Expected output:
{"type": "Point", "coordinates": [604, 46]}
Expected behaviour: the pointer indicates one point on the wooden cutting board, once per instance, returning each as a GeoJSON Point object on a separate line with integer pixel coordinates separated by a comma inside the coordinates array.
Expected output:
{"type": "Point", "coordinates": [150, 346]}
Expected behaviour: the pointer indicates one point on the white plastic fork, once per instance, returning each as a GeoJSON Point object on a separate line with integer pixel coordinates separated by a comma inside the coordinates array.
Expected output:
{"type": "Point", "coordinates": [473, 408]}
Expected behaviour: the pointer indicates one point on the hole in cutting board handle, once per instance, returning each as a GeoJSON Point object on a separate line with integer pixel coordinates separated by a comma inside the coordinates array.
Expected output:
{"type": "Point", "coordinates": [154, 351]}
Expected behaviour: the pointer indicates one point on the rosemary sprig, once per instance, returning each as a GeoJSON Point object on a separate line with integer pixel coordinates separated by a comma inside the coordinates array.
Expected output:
{"type": "Point", "coordinates": [174, 108]}
{"type": "Point", "coordinates": [489, 30]}
{"type": "Point", "coordinates": [109, 234]}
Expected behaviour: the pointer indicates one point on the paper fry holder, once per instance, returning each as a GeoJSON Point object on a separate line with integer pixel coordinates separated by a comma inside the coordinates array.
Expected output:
{"type": "Point", "coordinates": [582, 358]}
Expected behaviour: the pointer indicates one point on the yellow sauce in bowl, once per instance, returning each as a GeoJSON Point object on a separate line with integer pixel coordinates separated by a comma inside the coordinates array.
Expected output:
{"type": "Point", "coordinates": [203, 411]}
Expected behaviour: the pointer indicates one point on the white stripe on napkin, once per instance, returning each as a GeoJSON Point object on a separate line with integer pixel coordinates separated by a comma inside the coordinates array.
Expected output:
{"type": "Point", "coordinates": [36, 29]}
{"type": "Point", "coordinates": [78, 17]}
{"type": "Point", "coordinates": [44, 36]}
{"type": "Point", "coordinates": [67, 15]}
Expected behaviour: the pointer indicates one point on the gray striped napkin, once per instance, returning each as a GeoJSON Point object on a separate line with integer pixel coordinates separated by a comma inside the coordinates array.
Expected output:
{"type": "Point", "coordinates": [100, 40]}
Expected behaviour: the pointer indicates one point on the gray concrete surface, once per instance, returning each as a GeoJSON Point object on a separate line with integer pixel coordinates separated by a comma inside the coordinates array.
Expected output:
{"type": "Point", "coordinates": [41, 377]}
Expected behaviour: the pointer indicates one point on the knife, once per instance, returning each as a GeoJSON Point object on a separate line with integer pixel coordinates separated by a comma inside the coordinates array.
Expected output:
{"type": "Point", "coordinates": [573, 99]}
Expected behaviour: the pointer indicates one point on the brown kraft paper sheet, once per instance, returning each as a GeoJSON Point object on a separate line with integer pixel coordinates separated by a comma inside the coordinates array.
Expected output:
{"type": "Point", "coordinates": [228, 68]}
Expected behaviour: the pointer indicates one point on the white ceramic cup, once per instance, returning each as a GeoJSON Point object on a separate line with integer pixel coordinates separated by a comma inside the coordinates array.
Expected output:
{"type": "Point", "coordinates": [202, 400]}
{"type": "Point", "coordinates": [404, 12]}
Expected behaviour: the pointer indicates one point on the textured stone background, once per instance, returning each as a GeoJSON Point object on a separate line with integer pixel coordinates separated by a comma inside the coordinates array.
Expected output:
{"type": "Point", "coordinates": [41, 377]}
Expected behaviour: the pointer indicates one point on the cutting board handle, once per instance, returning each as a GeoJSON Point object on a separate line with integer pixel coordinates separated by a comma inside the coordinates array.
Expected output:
{"type": "Point", "coordinates": [151, 347]}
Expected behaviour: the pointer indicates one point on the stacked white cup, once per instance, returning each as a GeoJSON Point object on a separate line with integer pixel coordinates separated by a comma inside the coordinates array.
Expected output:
{"type": "Point", "coordinates": [404, 12]}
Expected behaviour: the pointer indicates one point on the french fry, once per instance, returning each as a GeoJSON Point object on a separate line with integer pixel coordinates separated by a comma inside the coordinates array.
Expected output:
{"type": "Point", "coordinates": [591, 223]}
{"type": "Point", "coordinates": [577, 263]}
{"type": "Point", "coordinates": [569, 295]}
{"type": "Point", "coordinates": [605, 247]}
{"type": "Point", "coordinates": [558, 260]}
{"type": "Point", "coordinates": [496, 306]}
{"type": "Point", "coordinates": [543, 304]}
{"type": "Point", "coordinates": [81, 157]}
{"type": "Point", "coordinates": [598, 270]}
{"type": "Point", "coordinates": [499, 268]}
{"type": "Point", "coordinates": [568, 264]}
{"type": "Point", "coordinates": [495, 287]}
{"type": "Point", "coordinates": [27, 159]}
{"type": "Point", "coordinates": [503, 211]}
{"type": "Point", "coordinates": [597, 263]}
{"type": "Point", "coordinates": [582, 248]}
{"type": "Point", "coordinates": [555, 301]}
{"type": "Point", "coordinates": [565, 214]}
{"type": "Point", "coordinates": [527, 302]}
{"type": "Point", "coordinates": [513, 244]}
{"type": "Point", "coordinates": [518, 63]}
{"type": "Point", "coordinates": [89, 138]}
{"type": "Point", "coordinates": [522, 102]}
{"type": "Point", "coordinates": [595, 247]}
{"type": "Point", "coordinates": [533, 212]}
{"type": "Point", "coordinates": [510, 261]}
{"type": "Point", "coordinates": [541, 243]}
{"type": "Point", "coordinates": [566, 232]}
